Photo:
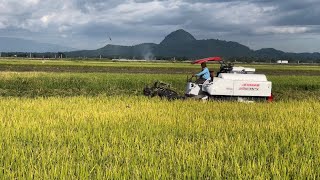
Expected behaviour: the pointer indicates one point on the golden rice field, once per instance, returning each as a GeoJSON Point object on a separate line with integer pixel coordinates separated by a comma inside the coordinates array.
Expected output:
{"type": "Point", "coordinates": [125, 137]}
{"type": "Point", "coordinates": [99, 126]}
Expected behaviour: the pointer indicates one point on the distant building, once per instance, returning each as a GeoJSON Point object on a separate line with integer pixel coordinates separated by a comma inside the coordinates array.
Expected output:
{"type": "Point", "coordinates": [282, 61]}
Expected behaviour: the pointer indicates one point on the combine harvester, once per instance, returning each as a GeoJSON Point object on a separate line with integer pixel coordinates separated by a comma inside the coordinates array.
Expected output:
{"type": "Point", "coordinates": [231, 83]}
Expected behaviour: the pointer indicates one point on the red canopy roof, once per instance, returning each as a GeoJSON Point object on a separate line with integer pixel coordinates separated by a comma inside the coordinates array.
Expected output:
{"type": "Point", "coordinates": [199, 61]}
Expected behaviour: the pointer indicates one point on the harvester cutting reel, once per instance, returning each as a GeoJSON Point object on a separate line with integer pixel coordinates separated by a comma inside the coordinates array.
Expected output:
{"type": "Point", "coordinates": [163, 90]}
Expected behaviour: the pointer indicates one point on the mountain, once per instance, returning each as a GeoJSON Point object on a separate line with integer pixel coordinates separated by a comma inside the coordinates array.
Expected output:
{"type": "Point", "coordinates": [21, 45]}
{"type": "Point", "coordinates": [178, 37]}
{"type": "Point", "coordinates": [140, 51]}
{"type": "Point", "coordinates": [271, 53]}
{"type": "Point", "coordinates": [180, 44]}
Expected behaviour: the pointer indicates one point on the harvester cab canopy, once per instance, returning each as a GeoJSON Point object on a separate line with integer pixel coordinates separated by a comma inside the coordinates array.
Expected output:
{"type": "Point", "coordinates": [199, 61]}
{"type": "Point", "coordinates": [226, 67]}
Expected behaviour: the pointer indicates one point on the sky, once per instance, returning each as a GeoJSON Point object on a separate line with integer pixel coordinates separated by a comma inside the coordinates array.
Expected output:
{"type": "Point", "coordinates": [287, 25]}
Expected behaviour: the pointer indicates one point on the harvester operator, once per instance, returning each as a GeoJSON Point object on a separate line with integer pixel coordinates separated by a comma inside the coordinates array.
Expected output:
{"type": "Point", "coordinates": [204, 75]}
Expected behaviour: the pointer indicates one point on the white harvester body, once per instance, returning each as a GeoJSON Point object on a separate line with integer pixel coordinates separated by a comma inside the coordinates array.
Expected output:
{"type": "Point", "coordinates": [232, 85]}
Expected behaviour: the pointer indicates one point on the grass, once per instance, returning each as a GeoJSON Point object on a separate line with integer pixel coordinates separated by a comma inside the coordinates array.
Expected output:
{"type": "Point", "coordinates": [295, 87]}
{"type": "Point", "coordinates": [105, 63]}
{"type": "Point", "coordinates": [73, 84]}
{"type": "Point", "coordinates": [82, 64]}
{"type": "Point", "coordinates": [136, 138]}
{"type": "Point", "coordinates": [33, 84]}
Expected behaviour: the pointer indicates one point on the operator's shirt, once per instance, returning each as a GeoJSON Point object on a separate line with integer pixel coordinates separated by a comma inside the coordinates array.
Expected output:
{"type": "Point", "coordinates": [205, 74]}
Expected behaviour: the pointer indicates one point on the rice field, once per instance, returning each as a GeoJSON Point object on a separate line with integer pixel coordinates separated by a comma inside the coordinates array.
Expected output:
{"type": "Point", "coordinates": [75, 125]}
{"type": "Point", "coordinates": [108, 66]}
{"type": "Point", "coordinates": [136, 138]}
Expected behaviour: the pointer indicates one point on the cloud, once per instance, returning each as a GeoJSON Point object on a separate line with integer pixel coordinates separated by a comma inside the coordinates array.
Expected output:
{"type": "Point", "coordinates": [283, 30]}
{"type": "Point", "coordinates": [85, 23]}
